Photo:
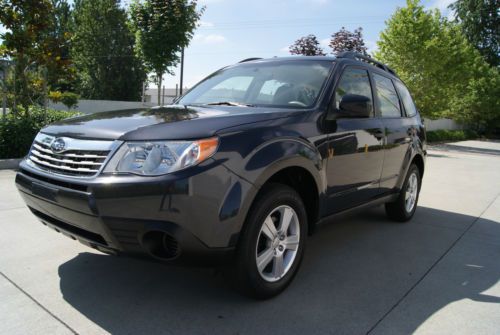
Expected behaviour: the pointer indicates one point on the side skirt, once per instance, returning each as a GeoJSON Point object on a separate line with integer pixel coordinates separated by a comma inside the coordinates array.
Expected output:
{"type": "Point", "coordinates": [375, 202]}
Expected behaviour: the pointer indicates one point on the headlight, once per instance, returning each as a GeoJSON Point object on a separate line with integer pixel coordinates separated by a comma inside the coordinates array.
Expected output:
{"type": "Point", "coordinates": [157, 158]}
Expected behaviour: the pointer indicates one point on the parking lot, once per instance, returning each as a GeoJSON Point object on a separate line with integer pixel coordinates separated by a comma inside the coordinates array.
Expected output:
{"type": "Point", "coordinates": [438, 274]}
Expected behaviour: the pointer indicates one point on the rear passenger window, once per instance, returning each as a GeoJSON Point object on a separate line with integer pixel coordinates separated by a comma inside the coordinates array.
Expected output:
{"type": "Point", "coordinates": [387, 98]}
{"type": "Point", "coordinates": [406, 99]}
{"type": "Point", "coordinates": [353, 81]}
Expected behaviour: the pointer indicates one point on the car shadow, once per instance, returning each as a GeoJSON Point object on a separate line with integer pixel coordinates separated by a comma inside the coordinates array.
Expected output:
{"type": "Point", "coordinates": [355, 270]}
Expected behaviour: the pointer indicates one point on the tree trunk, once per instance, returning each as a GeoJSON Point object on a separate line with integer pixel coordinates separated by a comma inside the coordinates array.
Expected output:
{"type": "Point", "coordinates": [160, 79]}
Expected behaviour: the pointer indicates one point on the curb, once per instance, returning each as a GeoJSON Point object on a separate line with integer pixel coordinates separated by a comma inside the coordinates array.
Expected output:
{"type": "Point", "coordinates": [10, 164]}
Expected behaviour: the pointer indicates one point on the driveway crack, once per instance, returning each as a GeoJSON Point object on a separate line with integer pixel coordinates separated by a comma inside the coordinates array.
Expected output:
{"type": "Point", "coordinates": [432, 266]}
{"type": "Point", "coordinates": [39, 304]}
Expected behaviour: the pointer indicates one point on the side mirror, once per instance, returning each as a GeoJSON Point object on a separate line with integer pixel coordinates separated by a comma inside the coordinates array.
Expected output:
{"type": "Point", "coordinates": [355, 106]}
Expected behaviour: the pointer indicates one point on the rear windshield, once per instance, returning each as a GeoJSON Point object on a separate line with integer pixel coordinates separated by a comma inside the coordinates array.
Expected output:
{"type": "Point", "coordinates": [286, 84]}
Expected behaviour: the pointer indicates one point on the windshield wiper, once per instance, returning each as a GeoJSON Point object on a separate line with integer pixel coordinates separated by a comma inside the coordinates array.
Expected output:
{"type": "Point", "coordinates": [229, 103]}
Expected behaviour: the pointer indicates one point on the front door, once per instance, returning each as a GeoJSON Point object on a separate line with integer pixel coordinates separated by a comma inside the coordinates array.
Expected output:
{"type": "Point", "coordinates": [355, 155]}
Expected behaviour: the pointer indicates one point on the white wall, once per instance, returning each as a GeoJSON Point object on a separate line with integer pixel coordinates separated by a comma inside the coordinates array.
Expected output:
{"type": "Point", "coordinates": [444, 124]}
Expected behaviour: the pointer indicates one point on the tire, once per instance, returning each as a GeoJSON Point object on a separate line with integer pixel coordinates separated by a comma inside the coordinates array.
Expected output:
{"type": "Point", "coordinates": [400, 210]}
{"type": "Point", "coordinates": [276, 204]}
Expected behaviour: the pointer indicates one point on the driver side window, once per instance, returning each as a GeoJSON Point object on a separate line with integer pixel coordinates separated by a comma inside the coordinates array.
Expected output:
{"type": "Point", "coordinates": [353, 81]}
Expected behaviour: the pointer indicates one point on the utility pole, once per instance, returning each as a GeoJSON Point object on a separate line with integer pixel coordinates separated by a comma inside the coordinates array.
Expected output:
{"type": "Point", "coordinates": [182, 71]}
{"type": "Point", "coordinates": [15, 92]}
{"type": "Point", "coordinates": [4, 91]}
{"type": "Point", "coordinates": [143, 92]}
{"type": "Point", "coordinates": [163, 96]}
{"type": "Point", "coordinates": [4, 103]}
{"type": "Point", "coordinates": [45, 91]}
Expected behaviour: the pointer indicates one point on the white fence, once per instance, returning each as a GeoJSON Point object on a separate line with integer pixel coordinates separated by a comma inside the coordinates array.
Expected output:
{"type": "Point", "coordinates": [95, 106]}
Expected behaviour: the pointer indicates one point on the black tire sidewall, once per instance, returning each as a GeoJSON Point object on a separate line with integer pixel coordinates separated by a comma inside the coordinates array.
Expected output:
{"type": "Point", "coordinates": [273, 196]}
{"type": "Point", "coordinates": [397, 210]}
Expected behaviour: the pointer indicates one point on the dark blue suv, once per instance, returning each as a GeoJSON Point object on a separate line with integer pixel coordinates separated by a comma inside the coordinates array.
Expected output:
{"type": "Point", "coordinates": [240, 169]}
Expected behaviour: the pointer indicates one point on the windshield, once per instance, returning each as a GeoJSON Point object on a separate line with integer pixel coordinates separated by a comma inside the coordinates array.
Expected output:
{"type": "Point", "coordinates": [280, 84]}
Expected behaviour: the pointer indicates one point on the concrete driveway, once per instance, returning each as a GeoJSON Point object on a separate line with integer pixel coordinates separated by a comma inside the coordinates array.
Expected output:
{"type": "Point", "coordinates": [362, 273]}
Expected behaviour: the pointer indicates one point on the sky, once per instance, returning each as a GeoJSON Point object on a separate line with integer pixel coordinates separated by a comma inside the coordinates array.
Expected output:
{"type": "Point", "coordinates": [232, 30]}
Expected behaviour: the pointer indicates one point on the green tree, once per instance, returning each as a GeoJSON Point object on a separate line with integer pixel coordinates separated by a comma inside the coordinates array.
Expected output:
{"type": "Point", "coordinates": [102, 50]}
{"type": "Point", "coordinates": [163, 28]}
{"type": "Point", "coordinates": [480, 20]}
{"type": "Point", "coordinates": [26, 43]}
{"type": "Point", "coordinates": [61, 73]}
{"type": "Point", "coordinates": [446, 74]}
{"type": "Point", "coordinates": [479, 106]}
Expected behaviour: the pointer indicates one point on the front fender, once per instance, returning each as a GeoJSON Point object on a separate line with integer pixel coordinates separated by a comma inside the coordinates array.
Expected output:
{"type": "Point", "coordinates": [276, 155]}
{"type": "Point", "coordinates": [270, 157]}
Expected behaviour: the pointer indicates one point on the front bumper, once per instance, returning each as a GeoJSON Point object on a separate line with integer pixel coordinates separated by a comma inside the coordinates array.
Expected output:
{"type": "Point", "coordinates": [194, 215]}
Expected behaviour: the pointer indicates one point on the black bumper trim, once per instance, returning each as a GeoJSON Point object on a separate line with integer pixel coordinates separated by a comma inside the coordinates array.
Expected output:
{"type": "Point", "coordinates": [88, 235]}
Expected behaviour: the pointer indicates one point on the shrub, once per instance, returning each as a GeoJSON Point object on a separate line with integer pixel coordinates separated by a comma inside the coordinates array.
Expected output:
{"type": "Point", "coordinates": [451, 135]}
{"type": "Point", "coordinates": [17, 132]}
{"type": "Point", "coordinates": [68, 99]}
{"type": "Point", "coordinates": [55, 96]}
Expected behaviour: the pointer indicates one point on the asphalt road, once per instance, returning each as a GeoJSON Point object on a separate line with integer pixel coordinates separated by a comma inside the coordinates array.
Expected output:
{"type": "Point", "coordinates": [438, 274]}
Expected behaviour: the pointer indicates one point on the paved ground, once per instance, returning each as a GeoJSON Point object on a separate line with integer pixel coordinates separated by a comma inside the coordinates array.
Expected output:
{"type": "Point", "coordinates": [438, 274]}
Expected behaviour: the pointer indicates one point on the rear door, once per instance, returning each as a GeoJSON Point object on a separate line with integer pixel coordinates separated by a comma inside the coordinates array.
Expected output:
{"type": "Point", "coordinates": [397, 129]}
{"type": "Point", "coordinates": [355, 147]}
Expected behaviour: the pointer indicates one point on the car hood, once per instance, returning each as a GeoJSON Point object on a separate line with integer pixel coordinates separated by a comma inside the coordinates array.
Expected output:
{"type": "Point", "coordinates": [169, 123]}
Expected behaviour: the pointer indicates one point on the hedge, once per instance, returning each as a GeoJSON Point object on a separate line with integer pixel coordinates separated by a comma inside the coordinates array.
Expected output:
{"type": "Point", "coordinates": [17, 132]}
{"type": "Point", "coordinates": [451, 135]}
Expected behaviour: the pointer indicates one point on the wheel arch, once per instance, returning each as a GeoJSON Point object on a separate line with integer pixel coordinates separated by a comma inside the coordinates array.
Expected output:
{"type": "Point", "coordinates": [419, 162]}
{"type": "Point", "coordinates": [301, 175]}
{"type": "Point", "coordinates": [302, 181]}
{"type": "Point", "coordinates": [292, 161]}
{"type": "Point", "coordinates": [417, 159]}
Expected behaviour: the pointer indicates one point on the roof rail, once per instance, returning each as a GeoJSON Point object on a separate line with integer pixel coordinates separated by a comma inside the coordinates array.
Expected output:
{"type": "Point", "coordinates": [249, 59]}
{"type": "Point", "coordinates": [367, 59]}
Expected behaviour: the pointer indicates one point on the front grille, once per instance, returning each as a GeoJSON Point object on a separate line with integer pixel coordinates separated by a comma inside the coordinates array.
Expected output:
{"type": "Point", "coordinates": [73, 186]}
{"type": "Point", "coordinates": [80, 159]}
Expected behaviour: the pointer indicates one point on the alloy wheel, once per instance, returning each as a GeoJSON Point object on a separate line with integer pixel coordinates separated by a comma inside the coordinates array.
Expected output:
{"type": "Point", "coordinates": [278, 243]}
{"type": "Point", "coordinates": [411, 192]}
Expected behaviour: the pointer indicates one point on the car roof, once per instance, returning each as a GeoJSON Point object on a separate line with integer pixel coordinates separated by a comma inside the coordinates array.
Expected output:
{"type": "Point", "coordinates": [290, 58]}
{"type": "Point", "coordinates": [378, 68]}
